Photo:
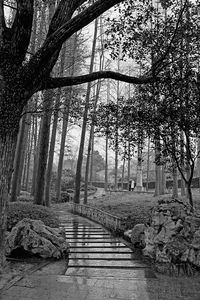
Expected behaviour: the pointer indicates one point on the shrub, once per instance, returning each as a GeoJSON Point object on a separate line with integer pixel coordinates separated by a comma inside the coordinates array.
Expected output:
{"type": "Point", "coordinates": [65, 197]}
{"type": "Point", "coordinates": [19, 210]}
{"type": "Point", "coordinates": [25, 198]}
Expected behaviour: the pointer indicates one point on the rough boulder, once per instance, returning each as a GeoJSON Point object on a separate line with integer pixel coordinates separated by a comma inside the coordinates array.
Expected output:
{"type": "Point", "coordinates": [33, 237]}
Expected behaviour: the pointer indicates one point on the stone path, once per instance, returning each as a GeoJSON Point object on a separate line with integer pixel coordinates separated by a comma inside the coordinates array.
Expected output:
{"type": "Point", "coordinates": [101, 267]}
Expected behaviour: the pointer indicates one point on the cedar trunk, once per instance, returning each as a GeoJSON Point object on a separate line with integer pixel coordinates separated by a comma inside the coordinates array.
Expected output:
{"type": "Point", "coordinates": [7, 149]}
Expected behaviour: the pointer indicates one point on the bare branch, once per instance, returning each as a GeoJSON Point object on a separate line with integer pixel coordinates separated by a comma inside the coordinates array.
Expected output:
{"type": "Point", "coordinates": [52, 83]}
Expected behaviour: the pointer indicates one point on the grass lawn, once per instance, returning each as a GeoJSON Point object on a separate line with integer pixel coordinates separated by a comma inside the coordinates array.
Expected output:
{"type": "Point", "coordinates": [131, 204]}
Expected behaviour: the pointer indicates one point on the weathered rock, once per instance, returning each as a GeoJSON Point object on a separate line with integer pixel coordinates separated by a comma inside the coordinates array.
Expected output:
{"type": "Point", "coordinates": [137, 235]}
{"type": "Point", "coordinates": [127, 233]}
{"type": "Point", "coordinates": [173, 237]}
{"type": "Point", "coordinates": [36, 238]}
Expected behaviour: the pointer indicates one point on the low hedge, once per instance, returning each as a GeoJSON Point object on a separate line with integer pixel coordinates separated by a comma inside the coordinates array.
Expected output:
{"type": "Point", "coordinates": [19, 210]}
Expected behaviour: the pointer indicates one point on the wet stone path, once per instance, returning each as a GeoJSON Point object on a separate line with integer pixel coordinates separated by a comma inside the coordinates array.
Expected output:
{"type": "Point", "coordinates": [103, 262]}
{"type": "Point", "coordinates": [100, 267]}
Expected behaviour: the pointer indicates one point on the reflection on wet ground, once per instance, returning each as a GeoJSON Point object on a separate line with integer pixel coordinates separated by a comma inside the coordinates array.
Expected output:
{"type": "Point", "coordinates": [104, 272]}
{"type": "Point", "coordinates": [95, 253]}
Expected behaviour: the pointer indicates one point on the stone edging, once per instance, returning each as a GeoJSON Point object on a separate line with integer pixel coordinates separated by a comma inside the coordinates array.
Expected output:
{"type": "Point", "coordinates": [109, 221]}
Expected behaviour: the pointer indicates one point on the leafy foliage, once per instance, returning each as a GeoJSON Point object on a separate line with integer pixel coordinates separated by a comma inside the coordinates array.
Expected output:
{"type": "Point", "coordinates": [18, 211]}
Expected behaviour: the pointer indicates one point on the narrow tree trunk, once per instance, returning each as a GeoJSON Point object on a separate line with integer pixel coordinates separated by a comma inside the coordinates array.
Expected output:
{"type": "Point", "coordinates": [17, 160]}
{"type": "Point", "coordinates": [198, 161]}
{"type": "Point", "coordinates": [35, 155]}
{"type": "Point", "coordinates": [175, 180]}
{"type": "Point", "coordinates": [29, 160]}
{"type": "Point", "coordinates": [163, 180]}
{"type": "Point", "coordinates": [157, 166]}
{"type": "Point", "coordinates": [82, 141]}
{"type": "Point", "coordinates": [92, 160]}
{"type": "Point", "coordinates": [148, 164]}
{"type": "Point", "coordinates": [117, 134]}
{"type": "Point", "coordinates": [107, 128]}
{"type": "Point", "coordinates": [139, 177]}
{"type": "Point", "coordinates": [53, 134]}
{"type": "Point", "coordinates": [43, 148]}
{"type": "Point", "coordinates": [183, 192]}
{"type": "Point", "coordinates": [23, 151]}
{"type": "Point", "coordinates": [62, 144]}
{"type": "Point", "coordinates": [91, 137]}
{"type": "Point", "coordinates": [123, 168]}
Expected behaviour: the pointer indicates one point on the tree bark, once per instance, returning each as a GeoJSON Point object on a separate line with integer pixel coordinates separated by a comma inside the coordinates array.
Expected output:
{"type": "Point", "coordinates": [139, 178]}
{"type": "Point", "coordinates": [82, 141]}
{"type": "Point", "coordinates": [62, 144]}
{"type": "Point", "coordinates": [17, 161]}
{"type": "Point", "coordinates": [43, 149]}
{"type": "Point", "coordinates": [7, 148]}
{"type": "Point", "coordinates": [53, 135]}
{"type": "Point", "coordinates": [91, 139]}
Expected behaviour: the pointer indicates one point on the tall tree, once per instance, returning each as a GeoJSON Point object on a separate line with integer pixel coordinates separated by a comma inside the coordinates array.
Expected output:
{"type": "Point", "coordinates": [84, 124]}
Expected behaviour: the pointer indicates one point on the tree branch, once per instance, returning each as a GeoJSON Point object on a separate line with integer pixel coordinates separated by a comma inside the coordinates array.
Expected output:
{"type": "Point", "coordinates": [52, 83]}
{"type": "Point", "coordinates": [159, 61]}
{"type": "Point", "coordinates": [21, 29]}
{"type": "Point", "coordinates": [39, 61]}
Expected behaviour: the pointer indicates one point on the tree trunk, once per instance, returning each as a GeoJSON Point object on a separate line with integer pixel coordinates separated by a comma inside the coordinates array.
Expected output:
{"type": "Point", "coordinates": [198, 161]}
{"type": "Point", "coordinates": [7, 149]}
{"type": "Point", "coordinates": [175, 180]}
{"type": "Point", "coordinates": [82, 141]}
{"type": "Point", "coordinates": [107, 128]}
{"type": "Point", "coordinates": [23, 151]}
{"type": "Point", "coordinates": [91, 138]}
{"type": "Point", "coordinates": [117, 134]}
{"type": "Point", "coordinates": [148, 164]}
{"type": "Point", "coordinates": [183, 193]}
{"type": "Point", "coordinates": [62, 144]}
{"type": "Point", "coordinates": [139, 179]}
{"type": "Point", "coordinates": [157, 166]}
{"type": "Point", "coordinates": [123, 168]}
{"type": "Point", "coordinates": [29, 160]}
{"type": "Point", "coordinates": [51, 151]}
{"type": "Point", "coordinates": [92, 160]}
{"type": "Point", "coordinates": [53, 135]}
{"type": "Point", "coordinates": [35, 155]}
{"type": "Point", "coordinates": [17, 161]}
{"type": "Point", "coordinates": [43, 148]}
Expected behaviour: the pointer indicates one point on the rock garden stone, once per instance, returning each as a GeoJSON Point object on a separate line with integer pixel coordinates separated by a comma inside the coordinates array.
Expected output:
{"type": "Point", "coordinates": [33, 237]}
{"type": "Point", "coordinates": [171, 238]}
{"type": "Point", "coordinates": [137, 235]}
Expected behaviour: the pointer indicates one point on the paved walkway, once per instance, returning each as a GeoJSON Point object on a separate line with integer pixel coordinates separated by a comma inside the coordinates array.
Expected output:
{"type": "Point", "coordinates": [101, 267]}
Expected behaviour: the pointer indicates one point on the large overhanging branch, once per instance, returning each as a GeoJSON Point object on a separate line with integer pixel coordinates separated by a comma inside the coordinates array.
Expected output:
{"type": "Point", "coordinates": [39, 61]}
{"type": "Point", "coordinates": [63, 14]}
{"type": "Point", "coordinates": [53, 83]}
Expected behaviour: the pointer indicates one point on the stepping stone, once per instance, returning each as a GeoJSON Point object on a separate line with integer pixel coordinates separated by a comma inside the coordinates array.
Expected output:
{"type": "Point", "coordinates": [100, 250]}
{"type": "Point", "coordinates": [97, 243]}
{"type": "Point", "coordinates": [104, 256]}
{"type": "Point", "coordinates": [114, 273]}
{"type": "Point", "coordinates": [97, 246]}
{"type": "Point", "coordinates": [99, 263]}
{"type": "Point", "coordinates": [94, 238]}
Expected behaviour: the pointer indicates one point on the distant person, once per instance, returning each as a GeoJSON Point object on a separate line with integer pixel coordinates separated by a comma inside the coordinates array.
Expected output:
{"type": "Point", "coordinates": [132, 185]}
